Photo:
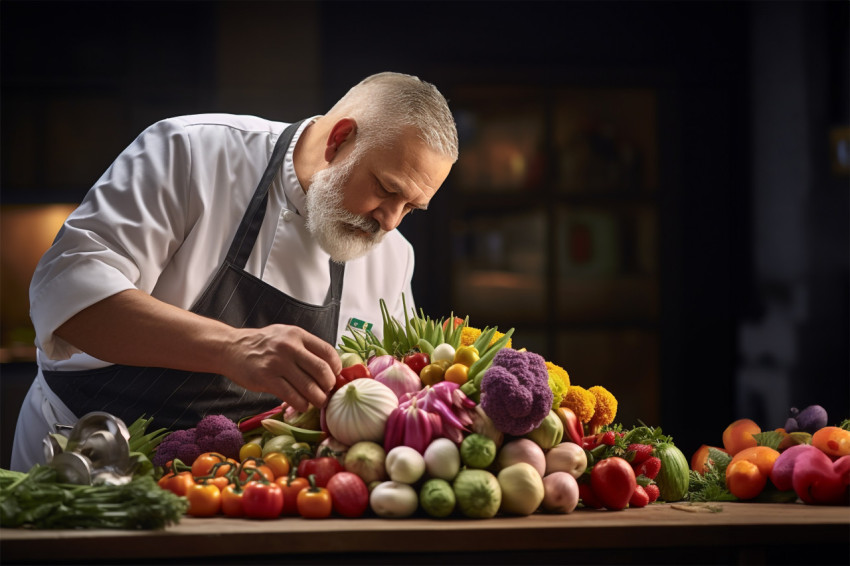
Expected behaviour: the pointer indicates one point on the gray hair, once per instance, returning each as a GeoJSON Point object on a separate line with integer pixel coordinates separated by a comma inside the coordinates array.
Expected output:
{"type": "Point", "coordinates": [386, 103]}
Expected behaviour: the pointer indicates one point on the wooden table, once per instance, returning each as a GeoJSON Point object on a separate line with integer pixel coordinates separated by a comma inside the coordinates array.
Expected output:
{"type": "Point", "coordinates": [658, 534]}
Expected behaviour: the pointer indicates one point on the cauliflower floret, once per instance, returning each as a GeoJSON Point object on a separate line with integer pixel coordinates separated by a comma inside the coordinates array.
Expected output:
{"type": "Point", "coordinates": [515, 391]}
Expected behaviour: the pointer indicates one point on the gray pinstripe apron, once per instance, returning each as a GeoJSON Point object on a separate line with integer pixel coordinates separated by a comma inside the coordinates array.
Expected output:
{"type": "Point", "coordinates": [179, 399]}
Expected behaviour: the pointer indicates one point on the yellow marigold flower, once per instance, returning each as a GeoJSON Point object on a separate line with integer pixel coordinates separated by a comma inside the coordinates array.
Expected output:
{"type": "Point", "coordinates": [469, 335]}
{"type": "Point", "coordinates": [496, 336]}
{"type": "Point", "coordinates": [606, 408]}
{"type": "Point", "coordinates": [581, 401]}
{"type": "Point", "coordinates": [559, 383]}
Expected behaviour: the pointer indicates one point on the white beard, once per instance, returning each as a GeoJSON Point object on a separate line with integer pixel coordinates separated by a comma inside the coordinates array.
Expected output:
{"type": "Point", "coordinates": [343, 235]}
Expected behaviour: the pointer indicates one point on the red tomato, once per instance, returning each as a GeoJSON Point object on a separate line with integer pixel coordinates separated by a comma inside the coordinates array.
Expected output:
{"type": "Point", "coordinates": [613, 482]}
{"type": "Point", "coordinates": [323, 468]}
{"type": "Point", "coordinates": [349, 494]}
{"type": "Point", "coordinates": [231, 501]}
{"type": "Point", "coordinates": [178, 483]}
{"type": "Point", "coordinates": [204, 500]}
{"type": "Point", "coordinates": [291, 486]}
{"type": "Point", "coordinates": [262, 500]}
{"type": "Point", "coordinates": [417, 361]}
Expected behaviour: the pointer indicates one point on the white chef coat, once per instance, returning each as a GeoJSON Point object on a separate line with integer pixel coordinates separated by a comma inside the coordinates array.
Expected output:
{"type": "Point", "coordinates": [161, 219]}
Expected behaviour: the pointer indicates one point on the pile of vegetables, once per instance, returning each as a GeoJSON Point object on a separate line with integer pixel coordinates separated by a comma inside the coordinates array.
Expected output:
{"type": "Point", "coordinates": [807, 460]}
{"type": "Point", "coordinates": [441, 419]}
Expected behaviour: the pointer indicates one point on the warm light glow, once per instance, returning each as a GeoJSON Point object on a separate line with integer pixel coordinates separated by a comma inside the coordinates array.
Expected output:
{"type": "Point", "coordinates": [26, 231]}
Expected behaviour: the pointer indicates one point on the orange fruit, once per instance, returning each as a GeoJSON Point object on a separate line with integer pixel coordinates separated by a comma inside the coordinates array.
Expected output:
{"type": "Point", "coordinates": [739, 435]}
{"type": "Point", "coordinates": [762, 456]}
{"type": "Point", "coordinates": [700, 459]}
{"type": "Point", "coordinates": [744, 479]}
{"type": "Point", "coordinates": [457, 373]}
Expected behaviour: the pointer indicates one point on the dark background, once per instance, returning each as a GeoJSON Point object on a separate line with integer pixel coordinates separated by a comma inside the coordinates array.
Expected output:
{"type": "Point", "coordinates": [754, 223]}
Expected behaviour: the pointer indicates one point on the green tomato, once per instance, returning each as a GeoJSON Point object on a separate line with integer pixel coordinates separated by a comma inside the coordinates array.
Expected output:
{"type": "Point", "coordinates": [478, 494]}
{"type": "Point", "coordinates": [477, 451]}
{"type": "Point", "coordinates": [437, 498]}
{"type": "Point", "coordinates": [349, 359]}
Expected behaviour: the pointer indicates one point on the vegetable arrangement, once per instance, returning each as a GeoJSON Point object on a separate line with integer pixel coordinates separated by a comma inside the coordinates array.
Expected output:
{"type": "Point", "coordinates": [807, 460]}
{"type": "Point", "coordinates": [441, 419]}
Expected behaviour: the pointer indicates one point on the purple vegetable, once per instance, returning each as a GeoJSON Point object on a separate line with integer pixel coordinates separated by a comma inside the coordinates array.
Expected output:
{"type": "Point", "coordinates": [812, 418]}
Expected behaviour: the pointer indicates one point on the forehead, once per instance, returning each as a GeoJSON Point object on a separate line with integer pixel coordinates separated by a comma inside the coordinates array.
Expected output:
{"type": "Point", "coordinates": [410, 165]}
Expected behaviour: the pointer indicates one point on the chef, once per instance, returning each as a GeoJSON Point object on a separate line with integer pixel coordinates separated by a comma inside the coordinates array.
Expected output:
{"type": "Point", "coordinates": [216, 263]}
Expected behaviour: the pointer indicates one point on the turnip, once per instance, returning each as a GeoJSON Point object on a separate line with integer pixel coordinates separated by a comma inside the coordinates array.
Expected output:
{"type": "Point", "coordinates": [560, 493]}
{"type": "Point", "coordinates": [566, 457]}
{"type": "Point", "coordinates": [522, 450]}
{"type": "Point", "coordinates": [522, 489]}
{"type": "Point", "coordinates": [393, 499]}
{"type": "Point", "coordinates": [367, 460]}
{"type": "Point", "coordinates": [442, 459]}
{"type": "Point", "coordinates": [405, 464]}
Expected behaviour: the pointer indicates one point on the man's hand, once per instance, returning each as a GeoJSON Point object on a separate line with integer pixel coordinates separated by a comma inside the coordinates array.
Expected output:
{"type": "Point", "coordinates": [287, 362]}
{"type": "Point", "coordinates": [133, 328]}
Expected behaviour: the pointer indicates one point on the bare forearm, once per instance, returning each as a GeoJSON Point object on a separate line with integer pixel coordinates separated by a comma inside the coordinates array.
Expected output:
{"type": "Point", "coordinates": [134, 328]}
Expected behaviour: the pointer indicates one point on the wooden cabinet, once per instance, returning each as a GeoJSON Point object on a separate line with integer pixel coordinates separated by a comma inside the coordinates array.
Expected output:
{"type": "Point", "coordinates": [555, 229]}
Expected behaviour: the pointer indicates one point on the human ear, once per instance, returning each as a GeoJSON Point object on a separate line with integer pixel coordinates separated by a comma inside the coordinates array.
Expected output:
{"type": "Point", "coordinates": [344, 129]}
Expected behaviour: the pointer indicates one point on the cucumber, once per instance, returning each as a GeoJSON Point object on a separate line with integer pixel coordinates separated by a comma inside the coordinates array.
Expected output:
{"type": "Point", "coordinates": [673, 478]}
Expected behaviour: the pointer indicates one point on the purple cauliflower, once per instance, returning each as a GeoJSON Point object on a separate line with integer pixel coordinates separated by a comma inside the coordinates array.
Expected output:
{"type": "Point", "coordinates": [217, 433]}
{"type": "Point", "coordinates": [214, 433]}
{"type": "Point", "coordinates": [515, 391]}
{"type": "Point", "coordinates": [179, 444]}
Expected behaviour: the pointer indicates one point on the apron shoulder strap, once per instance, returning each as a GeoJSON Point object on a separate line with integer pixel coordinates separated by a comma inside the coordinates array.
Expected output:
{"type": "Point", "coordinates": [246, 233]}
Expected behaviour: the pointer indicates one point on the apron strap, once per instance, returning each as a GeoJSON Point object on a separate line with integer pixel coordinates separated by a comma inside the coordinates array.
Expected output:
{"type": "Point", "coordinates": [246, 234]}
{"type": "Point", "coordinates": [337, 276]}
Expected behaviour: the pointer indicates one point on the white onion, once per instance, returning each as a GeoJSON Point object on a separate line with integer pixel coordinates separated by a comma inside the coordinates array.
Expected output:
{"type": "Point", "coordinates": [359, 411]}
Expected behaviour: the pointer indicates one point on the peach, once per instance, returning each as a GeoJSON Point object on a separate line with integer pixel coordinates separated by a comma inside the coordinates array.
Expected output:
{"type": "Point", "coordinates": [739, 435]}
{"type": "Point", "coordinates": [700, 459]}
{"type": "Point", "coordinates": [832, 441]}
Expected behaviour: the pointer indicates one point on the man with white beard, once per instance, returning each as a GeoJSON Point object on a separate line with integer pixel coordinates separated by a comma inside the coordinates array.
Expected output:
{"type": "Point", "coordinates": [214, 266]}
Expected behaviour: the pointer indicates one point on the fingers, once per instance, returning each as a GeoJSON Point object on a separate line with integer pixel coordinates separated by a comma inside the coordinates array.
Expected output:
{"type": "Point", "coordinates": [291, 364]}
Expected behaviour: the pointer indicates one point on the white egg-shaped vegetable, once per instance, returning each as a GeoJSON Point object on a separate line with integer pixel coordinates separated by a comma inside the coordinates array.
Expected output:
{"type": "Point", "coordinates": [359, 411]}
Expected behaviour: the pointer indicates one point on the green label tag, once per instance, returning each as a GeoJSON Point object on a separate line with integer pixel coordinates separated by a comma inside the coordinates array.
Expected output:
{"type": "Point", "coordinates": [361, 324]}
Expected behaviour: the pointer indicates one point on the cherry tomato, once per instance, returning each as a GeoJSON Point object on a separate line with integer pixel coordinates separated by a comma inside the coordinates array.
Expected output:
{"type": "Point", "coordinates": [349, 494]}
{"type": "Point", "coordinates": [204, 463]}
{"type": "Point", "coordinates": [314, 502]}
{"type": "Point", "coordinates": [322, 468]}
{"type": "Point", "coordinates": [262, 500]}
{"type": "Point", "coordinates": [220, 481]}
{"type": "Point", "coordinates": [432, 374]}
{"type": "Point", "coordinates": [178, 483]}
{"type": "Point", "coordinates": [291, 486]}
{"type": "Point", "coordinates": [250, 450]}
{"type": "Point", "coordinates": [204, 500]}
{"type": "Point", "coordinates": [457, 373]}
{"type": "Point", "coordinates": [255, 469]}
{"type": "Point", "coordinates": [278, 463]}
{"type": "Point", "coordinates": [613, 481]}
{"type": "Point", "coordinates": [231, 501]}
{"type": "Point", "coordinates": [466, 355]}
{"type": "Point", "coordinates": [417, 361]}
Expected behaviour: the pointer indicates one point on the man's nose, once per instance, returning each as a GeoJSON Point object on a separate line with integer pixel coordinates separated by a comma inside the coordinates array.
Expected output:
{"type": "Point", "coordinates": [389, 214]}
